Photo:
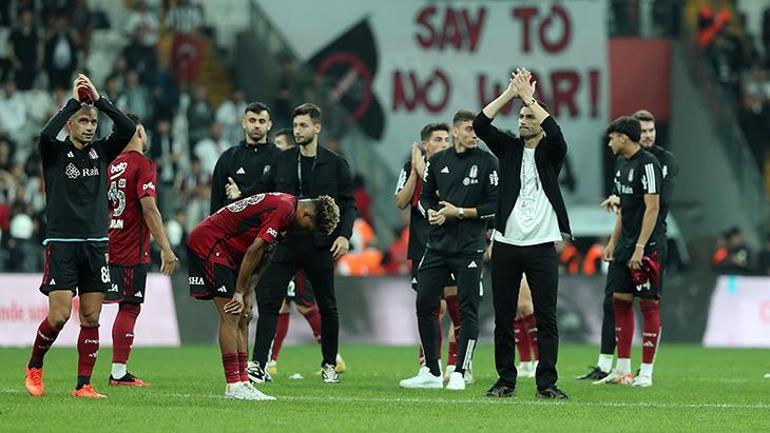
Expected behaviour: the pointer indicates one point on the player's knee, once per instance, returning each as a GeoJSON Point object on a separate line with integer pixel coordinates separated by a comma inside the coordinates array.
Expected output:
{"type": "Point", "coordinates": [58, 318]}
{"type": "Point", "coordinates": [89, 318]}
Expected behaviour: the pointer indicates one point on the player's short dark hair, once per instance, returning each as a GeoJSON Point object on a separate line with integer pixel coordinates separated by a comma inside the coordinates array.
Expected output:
{"type": "Point", "coordinates": [311, 110]}
{"type": "Point", "coordinates": [428, 129]}
{"type": "Point", "coordinates": [327, 214]}
{"type": "Point", "coordinates": [256, 108]}
{"type": "Point", "coordinates": [643, 116]}
{"type": "Point", "coordinates": [626, 125]}
{"type": "Point", "coordinates": [463, 116]}
{"type": "Point", "coordinates": [134, 118]}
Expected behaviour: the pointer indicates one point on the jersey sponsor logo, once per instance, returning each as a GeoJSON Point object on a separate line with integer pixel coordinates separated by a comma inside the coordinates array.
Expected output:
{"type": "Point", "coordinates": [473, 265]}
{"type": "Point", "coordinates": [222, 289]}
{"type": "Point", "coordinates": [70, 154]}
{"type": "Point", "coordinates": [148, 185]}
{"type": "Point", "coordinates": [121, 183]}
{"type": "Point", "coordinates": [71, 171]}
{"type": "Point", "coordinates": [474, 171]}
{"type": "Point", "coordinates": [92, 154]}
{"type": "Point", "coordinates": [445, 170]}
{"type": "Point", "coordinates": [118, 168]}
{"type": "Point", "coordinates": [195, 281]}
{"type": "Point", "coordinates": [87, 172]}
{"type": "Point", "coordinates": [240, 171]}
{"type": "Point", "coordinates": [116, 224]}
{"type": "Point", "coordinates": [272, 232]}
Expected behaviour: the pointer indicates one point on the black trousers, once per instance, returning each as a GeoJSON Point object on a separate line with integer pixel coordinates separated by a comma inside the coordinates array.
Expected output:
{"type": "Point", "coordinates": [318, 264]}
{"type": "Point", "coordinates": [541, 265]}
{"type": "Point", "coordinates": [434, 272]}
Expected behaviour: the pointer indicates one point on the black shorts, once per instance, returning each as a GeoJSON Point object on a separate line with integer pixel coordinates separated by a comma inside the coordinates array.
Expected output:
{"type": "Point", "coordinates": [300, 291]}
{"type": "Point", "coordinates": [451, 281]}
{"type": "Point", "coordinates": [128, 284]}
{"type": "Point", "coordinates": [620, 279]}
{"type": "Point", "coordinates": [77, 266]}
{"type": "Point", "coordinates": [209, 280]}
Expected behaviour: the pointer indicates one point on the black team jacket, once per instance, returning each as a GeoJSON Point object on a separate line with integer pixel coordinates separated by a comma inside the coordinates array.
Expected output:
{"type": "Point", "coordinates": [245, 165]}
{"type": "Point", "coordinates": [549, 156]}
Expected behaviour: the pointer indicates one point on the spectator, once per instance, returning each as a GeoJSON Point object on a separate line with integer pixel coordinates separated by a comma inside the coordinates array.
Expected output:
{"type": "Point", "coordinates": [144, 21]}
{"type": "Point", "coordinates": [187, 48]}
{"type": "Point", "coordinates": [25, 50]}
{"type": "Point", "coordinates": [737, 257]}
{"type": "Point", "coordinates": [593, 263]}
{"type": "Point", "coordinates": [24, 251]}
{"type": "Point", "coordinates": [763, 259]}
{"type": "Point", "coordinates": [141, 57]}
{"type": "Point", "coordinates": [136, 99]}
{"type": "Point", "coordinates": [196, 193]}
{"type": "Point", "coordinates": [569, 258]}
{"type": "Point", "coordinates": [362, 198]}
{"type": "Point", "coordinates": [177, 233]}
{"type": "Point", "coordinates": [13, 112]}
{"type": "Point", "coordinates": [165, 92]}
{"type": "Point", "coordinates": [82, 21]}
{"type": "Point", "coordinates": [200, 115]}
{"type": "Point", "coordinates": [230, 114]}
{"type": "Point", "coordinates": [61, 57]}
{"type": "Point", "coordinates": [166, 153]}
{"type": "Point", "coordinates": [209, 149]}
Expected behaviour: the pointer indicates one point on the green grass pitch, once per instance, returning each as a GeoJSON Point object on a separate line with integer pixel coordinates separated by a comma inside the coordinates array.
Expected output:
{"type": "Point", "coordinates": [696, 390]}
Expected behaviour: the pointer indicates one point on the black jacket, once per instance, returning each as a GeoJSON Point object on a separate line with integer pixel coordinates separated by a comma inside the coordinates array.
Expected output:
{"type": "Point", "coordinates": [549, 156]}
{"type": "Point", "coordinates": [331, 176]}
{"type": "Point", "coordinates": [467, 180]}
{"type": "Point", "coordinates": [246, 165]}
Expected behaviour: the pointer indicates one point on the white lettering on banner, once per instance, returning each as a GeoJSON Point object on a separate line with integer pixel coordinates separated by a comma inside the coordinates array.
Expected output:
{"type": "Point", "coordinates": [434, 58]}
{"type": "Point", "coordinates": [743, 297]}
{"type": "Point", "coordinates": [22, 310]}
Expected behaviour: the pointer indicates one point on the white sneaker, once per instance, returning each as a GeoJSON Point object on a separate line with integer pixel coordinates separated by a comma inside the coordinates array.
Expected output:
{"type": "Point", "coordinates": [450, 368]}
{"type": "Point", "coordinates": [423, 380]}
{"type": "Point", "coordinates": [456, 382]}
{"type": "Point", "coordinates": [616, 378]}
{"type": "Point", "coordinates": [254, 391]}
{"type": "Point", "coordinates": [236, 391]}
{"type": "Point", "coordinates": [329, 374]}
{"type": "Point", "coordinates": [642, 381]}
{"type": "Point", "coordinates": [526, 369]}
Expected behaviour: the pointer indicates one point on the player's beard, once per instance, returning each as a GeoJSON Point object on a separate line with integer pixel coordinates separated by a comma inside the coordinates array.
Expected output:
{"type": "Point", "coordinates": [257, 135]}
{"type": "Point", "coordinates": [305, 142]}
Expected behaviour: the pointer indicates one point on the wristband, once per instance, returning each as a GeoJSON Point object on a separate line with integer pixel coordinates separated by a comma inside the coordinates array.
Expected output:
{"type": "Point", "coordinates": [527, 104]}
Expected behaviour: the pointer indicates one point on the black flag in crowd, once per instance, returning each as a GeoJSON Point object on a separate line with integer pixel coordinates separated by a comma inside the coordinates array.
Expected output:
{"type": "Point", "coordinates": [347, 66]}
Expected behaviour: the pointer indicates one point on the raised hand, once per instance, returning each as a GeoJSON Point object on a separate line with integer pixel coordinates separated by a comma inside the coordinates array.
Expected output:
{"type": "Point", "coordinates": [231, 189]}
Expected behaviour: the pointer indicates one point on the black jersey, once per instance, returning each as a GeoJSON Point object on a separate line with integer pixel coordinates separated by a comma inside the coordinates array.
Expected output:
{"type": "Point", "coordinates": [669, 168]}
{"type": "Point", "coordinates": [634, 178]}
{"type": "Point", "coordinates": [245, 165]}
{"type": "Point", "coordinates": [467, 180]}
{"type": "Point", "coordinates": [418, 224]}
{"type": "Point", "coordinates": [76, 179]}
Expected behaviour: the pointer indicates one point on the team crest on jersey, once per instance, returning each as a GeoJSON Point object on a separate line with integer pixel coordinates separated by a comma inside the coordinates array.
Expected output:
{"type": "Point", "coordinates": [92, 154]}
{"type": "Point", "coordinates": [71, 171]}
{"type": "Point", "coordinates": [466, 181]}
{"type": "Point", "coordinates": [631, 175]}
{"type": "Point", "coordinates": [474, 171]}
{"type": "Point", "coordinates": [121, 183]}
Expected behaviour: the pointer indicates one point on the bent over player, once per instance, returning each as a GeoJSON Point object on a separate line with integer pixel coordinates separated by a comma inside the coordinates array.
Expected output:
{"type": "Point", "coordinates": [229, 252]}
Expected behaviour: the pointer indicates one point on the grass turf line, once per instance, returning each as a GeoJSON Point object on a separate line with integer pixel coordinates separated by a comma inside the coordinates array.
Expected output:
{"type": "Point", "coordinates": [695, 390]}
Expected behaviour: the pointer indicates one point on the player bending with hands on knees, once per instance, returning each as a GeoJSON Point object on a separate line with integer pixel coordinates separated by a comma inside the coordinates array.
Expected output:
{"type": "Point", "coordinates": [229, 252]}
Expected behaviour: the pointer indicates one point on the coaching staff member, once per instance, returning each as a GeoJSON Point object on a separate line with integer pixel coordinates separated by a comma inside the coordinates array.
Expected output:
{"type": "Point", "coordinates": [531, 216]}
{"type": "Point", "coordinates": [239, 168]}
{"type": "Point", "coordinates": [307, 170]}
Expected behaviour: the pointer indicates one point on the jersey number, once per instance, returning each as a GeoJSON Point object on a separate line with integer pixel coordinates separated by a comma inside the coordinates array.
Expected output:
{"type": "Point", "coordinates": [118, 199]}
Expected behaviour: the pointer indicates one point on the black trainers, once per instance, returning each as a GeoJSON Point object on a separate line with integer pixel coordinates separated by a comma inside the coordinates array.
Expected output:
{"type": "Point", "coordinates": [257, 374]}
{"type": "Point", "coordinates": [552, 392]}
{"type": "Point", "coordinates": [501, 389]}
{"type": "Point", "coordinates": [595, 374]}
